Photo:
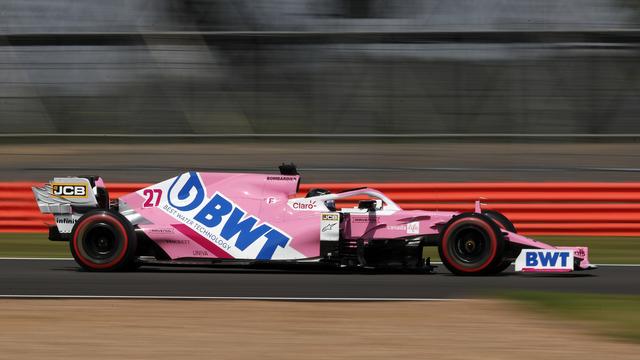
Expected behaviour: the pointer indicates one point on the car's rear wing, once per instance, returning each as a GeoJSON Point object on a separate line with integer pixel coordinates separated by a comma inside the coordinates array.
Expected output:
{"type": "Point", "coordinates": [67, 198]}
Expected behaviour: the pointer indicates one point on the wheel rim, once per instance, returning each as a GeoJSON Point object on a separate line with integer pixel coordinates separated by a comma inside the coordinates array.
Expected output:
{"type": "Point", "coordinates": [100, 242]}
{"type": "Point", "coordinates": [470, 245]}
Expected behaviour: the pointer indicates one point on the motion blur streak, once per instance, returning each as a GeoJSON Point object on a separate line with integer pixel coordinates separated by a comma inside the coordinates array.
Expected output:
{"type": "Point", "coordinates": [319, 66]}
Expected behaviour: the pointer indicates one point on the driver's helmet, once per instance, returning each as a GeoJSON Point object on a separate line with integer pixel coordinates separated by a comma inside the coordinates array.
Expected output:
{"type": "Point", "coordinates": [330, 204]}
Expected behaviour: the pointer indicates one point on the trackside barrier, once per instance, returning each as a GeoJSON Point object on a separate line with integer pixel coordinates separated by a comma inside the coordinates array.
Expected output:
{"type": "Point", "coordinates": [554, 208]}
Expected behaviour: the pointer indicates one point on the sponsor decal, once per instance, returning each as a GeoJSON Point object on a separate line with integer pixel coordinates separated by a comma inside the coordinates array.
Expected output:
{"type": "Point", "coordinates": [329, 227]}
{"type": "Point", "coordinates": [413, 227]}
{"type": "Point", "coordinates": [271, 200]}
{"type": "Point", "coordinates": [307, 204]}
{"type": "Point", "coordinates": [304, 206]}
{"type": "Point", "coordinates": [410, 228]}
{"type": "Point", "coordinates": [365, 219]}
{"type": "Point", "coordinates": [65, 222]}
{"type": "Point", "coordinates": [397, 227]}
{"type": "Point", "coordinates": [330, 217]}
{"type": "Point", "coordinates": [69, 190]}
{"type": "Point", "coordinates": [221, 220]}
{"type": "Point", "coordinates": [545, 260]}
{"type": "Point", "coordinates": [172, 241]}
{"type": "Point", "coordinates": [281, 178]}
{"type": "Point", "coordinates": [161, 231]}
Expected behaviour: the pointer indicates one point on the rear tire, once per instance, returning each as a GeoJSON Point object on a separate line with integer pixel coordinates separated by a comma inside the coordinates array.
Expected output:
{"type": "Point", "coordinates": [103, 240]}
{"type": "Point", "coordinates": [471, 244]}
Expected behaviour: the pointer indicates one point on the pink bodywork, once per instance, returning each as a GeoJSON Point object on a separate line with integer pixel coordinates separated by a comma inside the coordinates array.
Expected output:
{"type": "Point", "coordinates": [270, 199]}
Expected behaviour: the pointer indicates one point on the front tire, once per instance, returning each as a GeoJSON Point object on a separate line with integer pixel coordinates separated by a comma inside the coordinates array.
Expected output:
{"type": "Point", "coordinates": [103, 240]}
{"type": "Point", "coordinates": [471, 244]}
{"type": "Point", "coordinates": [506, 224]}
{"type": "Point", "coordinates": [501, 220]}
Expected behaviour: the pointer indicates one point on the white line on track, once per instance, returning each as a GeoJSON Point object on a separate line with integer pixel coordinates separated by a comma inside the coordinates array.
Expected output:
{"type": "Point", "coordinates": [433, 262]}
{"type": "Point", "coordinates": [619, 265]}
{"type": "Point", "coordinates": [321, 135]}
{"type": "Point", "coordinates": [265, 298]}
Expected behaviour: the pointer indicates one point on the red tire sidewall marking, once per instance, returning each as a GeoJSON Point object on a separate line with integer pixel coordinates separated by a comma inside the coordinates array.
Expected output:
{"type": "Point", "coordinates": [112, 221]}
{"type": "Point", "coordinates": [484, 226]}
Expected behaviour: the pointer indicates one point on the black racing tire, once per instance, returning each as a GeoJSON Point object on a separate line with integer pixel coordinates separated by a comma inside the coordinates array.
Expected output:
{"type": "Point", "coordinates": [506, 224]}
{"type": "Point", "coordinates": [504, 265]}
{"type": "Point", "coordinates": [103, 240]}
{"type": "Point", "coordinates": [501, 220]}
{"type": "Point", "coordinates": [471, 244]}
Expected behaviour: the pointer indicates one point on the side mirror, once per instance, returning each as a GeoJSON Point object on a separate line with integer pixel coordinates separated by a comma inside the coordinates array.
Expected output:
{"type": "Point", "coordinates": [370, 205]}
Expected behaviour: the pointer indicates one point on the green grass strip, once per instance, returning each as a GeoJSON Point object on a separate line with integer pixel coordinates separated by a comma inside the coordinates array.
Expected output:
{"type": "Point", "coordinates": [613, 315]}
{"type": "Point", "coordinates": [32, 245]}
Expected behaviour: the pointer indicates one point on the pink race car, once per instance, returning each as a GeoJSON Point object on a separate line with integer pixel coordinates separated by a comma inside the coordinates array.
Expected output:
{"type": "Point", "coordinates": [209, 218]}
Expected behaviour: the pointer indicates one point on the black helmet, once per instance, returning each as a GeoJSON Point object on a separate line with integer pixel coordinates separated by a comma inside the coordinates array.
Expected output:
{"type": "Point", "coordinates": [317, 192]}
{"type": "Point", "coordinates": [330, 204]}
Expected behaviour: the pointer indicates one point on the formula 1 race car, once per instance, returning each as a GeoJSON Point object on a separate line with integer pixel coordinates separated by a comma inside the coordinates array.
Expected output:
{"type": "Point", "coordinates": [211, 218]}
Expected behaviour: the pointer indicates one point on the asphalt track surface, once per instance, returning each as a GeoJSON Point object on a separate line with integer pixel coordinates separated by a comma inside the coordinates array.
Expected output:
{"type": "Point", "coordinates": [63, 277]}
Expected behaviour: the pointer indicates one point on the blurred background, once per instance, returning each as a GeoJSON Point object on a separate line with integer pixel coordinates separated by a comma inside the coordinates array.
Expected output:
{"type": "Point", "coordinates": [295, 66]}
{"type": "Point", "coordinates": [350, 90]}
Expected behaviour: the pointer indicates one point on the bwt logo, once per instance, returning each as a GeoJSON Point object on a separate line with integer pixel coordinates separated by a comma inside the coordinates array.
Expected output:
{"type": "Point", "coordinates": [69, 190]}
{"type": "Point", "coordinates": [547, 259]}
{"type": "Point", "coordinates": [188, 194]}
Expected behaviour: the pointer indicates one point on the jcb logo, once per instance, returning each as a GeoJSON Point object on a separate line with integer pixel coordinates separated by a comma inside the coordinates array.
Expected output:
{"type": "Point", "coordinates": [69, 190]}
{"type": "Point", "coordinates": [330, 217]}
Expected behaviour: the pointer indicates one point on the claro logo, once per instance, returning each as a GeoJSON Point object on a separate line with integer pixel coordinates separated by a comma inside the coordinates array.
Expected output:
{"type": "Point", "coordinates": [304, 206]}
{"type": "Point", "coordinates": [69, 190]}
{"type": "Point", "coordinates": [222, 217]}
